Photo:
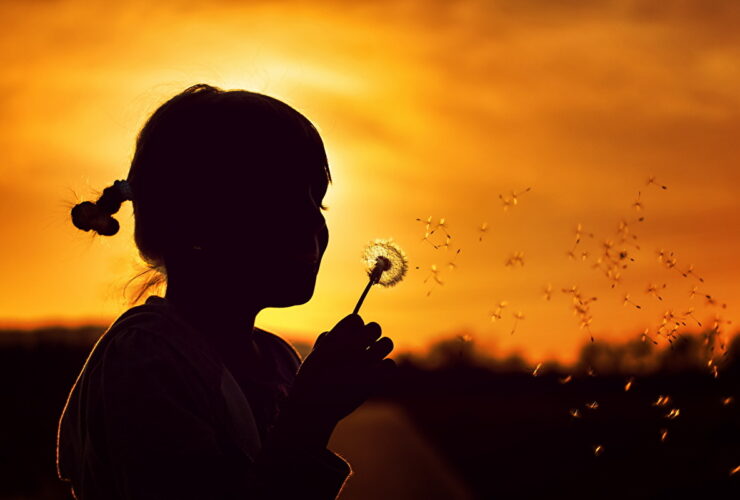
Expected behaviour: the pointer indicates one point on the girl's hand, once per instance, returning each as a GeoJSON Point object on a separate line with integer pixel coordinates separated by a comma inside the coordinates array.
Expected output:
{"type": "Point", "coordinates": [344, 368]}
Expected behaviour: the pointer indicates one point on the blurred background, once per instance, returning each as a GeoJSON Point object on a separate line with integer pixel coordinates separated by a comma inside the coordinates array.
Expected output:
{"type": "Point", "coordinates": [560, 174]}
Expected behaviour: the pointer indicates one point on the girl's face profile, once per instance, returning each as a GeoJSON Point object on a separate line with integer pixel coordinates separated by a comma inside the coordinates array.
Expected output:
{"type": "Point", "coordinates": [277, 240]}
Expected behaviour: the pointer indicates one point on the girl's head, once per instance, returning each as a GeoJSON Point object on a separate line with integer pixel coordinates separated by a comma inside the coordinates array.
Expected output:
{"type": "Point", "coordinates": [226, 188]}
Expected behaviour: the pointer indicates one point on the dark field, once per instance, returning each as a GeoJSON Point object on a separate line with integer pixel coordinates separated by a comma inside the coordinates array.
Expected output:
{"type": "Point", "coordinates": [459, 425]}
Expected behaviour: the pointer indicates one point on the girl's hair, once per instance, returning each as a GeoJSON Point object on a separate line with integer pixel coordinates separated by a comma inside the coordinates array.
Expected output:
{"type": "Point", "coordinates": [204, 151]}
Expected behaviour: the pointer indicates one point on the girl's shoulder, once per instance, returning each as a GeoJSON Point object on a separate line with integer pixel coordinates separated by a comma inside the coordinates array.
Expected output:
{"type": "Point", "coordinates": [173, 340]}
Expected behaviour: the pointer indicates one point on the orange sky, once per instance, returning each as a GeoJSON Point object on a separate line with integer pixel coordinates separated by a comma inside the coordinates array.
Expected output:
{"type": "Point", "coordinates": [423, 112]}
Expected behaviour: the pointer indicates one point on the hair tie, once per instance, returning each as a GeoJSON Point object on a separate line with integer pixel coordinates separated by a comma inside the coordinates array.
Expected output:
{"type": "Point", "coordinates": [124, 188]}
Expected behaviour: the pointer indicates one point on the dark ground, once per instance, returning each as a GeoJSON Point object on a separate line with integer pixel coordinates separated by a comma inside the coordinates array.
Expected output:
{"type": "Point", "coordinates": [507, 433]}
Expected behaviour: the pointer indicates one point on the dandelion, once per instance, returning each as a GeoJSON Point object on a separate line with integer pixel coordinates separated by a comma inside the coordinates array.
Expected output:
{"type": "Point", "coordinates": [386, 264]}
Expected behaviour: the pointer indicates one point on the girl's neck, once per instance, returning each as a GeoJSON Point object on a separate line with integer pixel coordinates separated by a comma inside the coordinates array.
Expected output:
{"type": "Point", "coordinates": [221, 318]}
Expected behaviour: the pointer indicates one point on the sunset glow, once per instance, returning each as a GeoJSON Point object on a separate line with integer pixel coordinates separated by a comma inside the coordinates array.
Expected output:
{"type": "Point", "coordinates": [506, 146]}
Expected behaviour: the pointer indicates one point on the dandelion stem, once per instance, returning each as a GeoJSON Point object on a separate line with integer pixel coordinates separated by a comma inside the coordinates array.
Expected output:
{"type": "Point", "coordinates": [381, 264]}
{"type": "Point", "coordinates": [362, 297]}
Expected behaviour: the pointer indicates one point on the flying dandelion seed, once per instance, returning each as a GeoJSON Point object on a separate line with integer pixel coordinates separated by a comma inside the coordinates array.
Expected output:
{"type": "Point", "coordinates": [627, 299]}
{"type": "Point", "coordinates": [592, 405]}
{"type": "Point", "coordinates": [735, 470]}
{"type": "Point", "coordinates": [515, 258]}
{"type": "Point", "coordinates": [651, 180]}
{"type": "Point", "coordinates": [727, 401]}
{"type": "Point", "coordinates": [517, 317]}
{"type": "Point", "coordinates": [663, 435]}
{"type": "Point", "coordinates": [482, 230]}
{"type": "Point", "coordinates": [548, 292]}
{"type": "Point", "coordinates": [574, 413]}
{"type": "Point", "coordinates": [673, 413]}
{"type": "Point", "coordinates": [690, 315]}
{"type": "Point", "coordinates": [452, 264]}
{"type": "Point", "coordinates": [644, 336]}
{"type": "Point", "coordinates": [653, 290]}
{"type": "Point", "coordinates": [429, 231]}
{"type": "Point", "coordinates": [662, 401]}
{"type": "Point", "coordinates": [628, 385]}
{"type": "Point", "coordinates": [565, 380]}
{"type": "Point", "coordinates": [434, 273]}
{"type": "Point", "coordinates": [537, 369]}
{"type": "Point", "coordinates": [513, 200]}
{"type": "Point", "coordinates": [442, 224]}
{"type": "Point", "coordinates": [598, 450]}
{"type": "Point", "coordinates": [465, 338]}
{"type": "Point", "coordinates": [385, 263]}
{"type": "Point", "coordinates": [498, 313]}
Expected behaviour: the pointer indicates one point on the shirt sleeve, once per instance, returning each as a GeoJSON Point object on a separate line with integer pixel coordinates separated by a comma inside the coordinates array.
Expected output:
{"type": "Point", "coordinates": [163, 443]}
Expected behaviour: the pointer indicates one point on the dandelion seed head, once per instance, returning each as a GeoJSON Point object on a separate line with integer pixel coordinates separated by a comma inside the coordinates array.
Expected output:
{"type": "Point", "coordinates": [389, 256]}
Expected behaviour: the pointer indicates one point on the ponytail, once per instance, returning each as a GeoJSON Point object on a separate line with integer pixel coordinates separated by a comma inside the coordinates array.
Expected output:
{"type": "Point", "coordinates": [97, 216]}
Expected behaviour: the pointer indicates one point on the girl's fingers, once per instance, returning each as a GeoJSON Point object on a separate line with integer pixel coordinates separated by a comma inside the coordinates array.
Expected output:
{"type": "Point", "coordinates": [345, 331]}
{"type": "Point", "coordinates": [373, 332]}
{"type": "Point", "coordinates": [359, 338]}
{"type": "Point", "coordinates": [379, 349]}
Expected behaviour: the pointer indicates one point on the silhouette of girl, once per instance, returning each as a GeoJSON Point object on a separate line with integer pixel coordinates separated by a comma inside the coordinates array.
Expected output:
{"type": "Point", "coordinates": [183, 397]}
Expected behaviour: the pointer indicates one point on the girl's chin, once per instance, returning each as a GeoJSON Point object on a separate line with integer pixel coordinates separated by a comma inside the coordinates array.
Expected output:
{"type": "Point", "coordinates": [292, 293]}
